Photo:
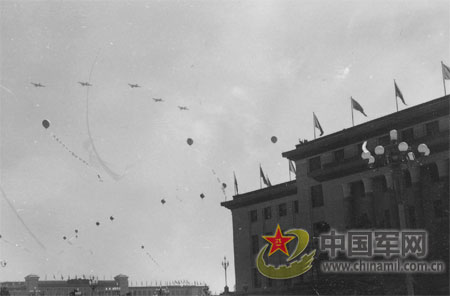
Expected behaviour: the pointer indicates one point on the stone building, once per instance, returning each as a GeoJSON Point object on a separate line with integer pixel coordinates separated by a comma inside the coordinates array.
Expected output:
{"type": "Point", "coordinates": [335, 188]}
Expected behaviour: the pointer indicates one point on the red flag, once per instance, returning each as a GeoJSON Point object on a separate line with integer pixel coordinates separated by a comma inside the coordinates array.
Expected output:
{"type": "Point", "coordinates": [445, 71]}
{"type": "Point", "coordinates": [261, 175]}
{"type": "Point", "coordinates": [398, 93]}
{"type": "Point", "coordinates": [317, 124]}
{"type": "Point", "coordinates": [292, 167]}
{"type": "Point", "coordinates": [357, 106]}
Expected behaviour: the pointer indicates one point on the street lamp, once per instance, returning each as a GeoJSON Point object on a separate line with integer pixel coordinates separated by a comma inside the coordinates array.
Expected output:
{"type": "Point", "coordinates": [225, 265]}
{"type": "Point", "coordinates": [397, 157]}
{"type": "Point", "coordinates": [93, 282]}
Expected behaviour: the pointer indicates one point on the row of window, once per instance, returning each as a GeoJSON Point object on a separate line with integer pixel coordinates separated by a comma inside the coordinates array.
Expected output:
{"type": "Point", "coordinates": [407, 135]}
{"type": "Point", "coordinates": [267, 211]}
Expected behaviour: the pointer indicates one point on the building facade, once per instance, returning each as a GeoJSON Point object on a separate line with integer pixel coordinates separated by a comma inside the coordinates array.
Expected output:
{"type": "Point", "coordinates": [335, 188]}
{"type": "Point", "coordinates": [32, 286]}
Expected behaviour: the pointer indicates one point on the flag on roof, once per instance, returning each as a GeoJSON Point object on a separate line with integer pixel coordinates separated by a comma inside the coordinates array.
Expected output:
{"type": "Point", "coordinates": [398, 93]}
{"type": "Point", "coordinates": [357, 106]}
{"type": "Point", "coordinates": [317, 124]}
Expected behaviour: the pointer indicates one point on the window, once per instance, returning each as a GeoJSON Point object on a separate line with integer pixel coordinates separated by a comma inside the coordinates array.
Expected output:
{"type": "Point", "coordinates": [256, 279]}
{"type": "Point", "coordinates": [407, 178]}
{"type": "Point", "coordinates": [430, 171]}
{"type": "Point", "coordinates": [295, 206]}
{"type": "Point", "coordinates": [380, 183]}
{"type": "Point", "coordinates": [412, 217]}
{"type": "Point", "coordinates": [432, 128]}
{"type": "Point", "coordinates": [339, 155]}
{"type": "Point", "coordinates": [267, 213]}
{"type": "Point", "coordinates": [359, 149]}
{"type": "Point", "coordinates": [287, 282]}
{"type": "Point", "coordinates": [253, 216]}
{"type": "Point", "coordinates": [438, 211]}
{"type": "Point", "coordinates": [384, 140]}
{"type": "Point", "coordinates": [282, 210]}
{"type": "Point", "coordinates": [317, 196]}
{"type": "Point", "coordinates": [387, 219]}
{"type": "Point", "coordinates": [255, 244]}
{"type": "Point", "coordinates": [408, 135]}
{"type": "Point", "coordinates": [314, 164]}
{"type": "Point", "coordinates": [320, 227]}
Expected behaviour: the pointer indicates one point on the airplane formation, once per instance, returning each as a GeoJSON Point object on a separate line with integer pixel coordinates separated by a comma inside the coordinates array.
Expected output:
{"type": "Point", "coordinates": [85, 83]}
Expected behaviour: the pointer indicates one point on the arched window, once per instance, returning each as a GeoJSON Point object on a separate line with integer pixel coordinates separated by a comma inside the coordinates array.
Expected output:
{"type": "Point", "coordinates": [407, 178]}
{"type": "Point", "coordinates": [430, 172]}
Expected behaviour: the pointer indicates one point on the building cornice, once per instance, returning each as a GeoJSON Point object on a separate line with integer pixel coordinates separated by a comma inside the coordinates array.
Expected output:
{"type": "Point", "coordinates": [262, 195]}
{"type": "Point", "coordinates": [377, 127]}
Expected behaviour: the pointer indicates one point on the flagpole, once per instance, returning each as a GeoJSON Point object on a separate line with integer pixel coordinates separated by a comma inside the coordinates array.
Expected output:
{"type": "Point", "coordinates": [260, 183]}
{"type": "Point", "coordinates": [443, 79]}
{"type": "Point", "coordinates": [351, 107]}
{"type": "Point", "coordinates": [396, 100]}
{"type": "Point", "coordinates": [289, 168]}
{"type": "Point", "coordinates": [236, 191]}
{"type": "Point", "coordinates": [314, 127]}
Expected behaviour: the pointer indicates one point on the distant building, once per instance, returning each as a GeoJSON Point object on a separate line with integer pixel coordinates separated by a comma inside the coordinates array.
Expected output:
{"type": "Point", "coordinates": [335, 188]}
{"type": "Point", "coordinates": [32, 286]}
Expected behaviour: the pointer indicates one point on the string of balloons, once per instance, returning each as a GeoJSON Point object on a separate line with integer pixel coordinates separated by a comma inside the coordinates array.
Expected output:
{"type": "Point", "coordinates": [46, 125]}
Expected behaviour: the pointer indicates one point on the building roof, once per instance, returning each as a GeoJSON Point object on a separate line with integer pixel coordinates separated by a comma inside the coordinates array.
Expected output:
{"type": "Point", "coordinates": [261, 195]}
{"type": "Point", "coordinates": [377, 127]}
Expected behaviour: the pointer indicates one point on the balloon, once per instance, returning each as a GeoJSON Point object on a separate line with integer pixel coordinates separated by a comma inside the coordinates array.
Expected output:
{"type": "Point", "coordinates": [224, 185]}
{"type": "Point", "coordinates": [190, 141]}
{"type": "Point", "coordinates": [3, 263]}
{"type": "Point", "coordinates": [46, 123]}
{"type": "Point", "coordinates": [97, 223]}
{"type": "Point", "coordinates": [64, 237]}
{"type": "Point", "coordinates": [163, 201]}
{"type": "Point", "coordinates": [202, 195]}
{"type": "Point", "coordinates": [76, 230]}
{"type": "Point", "coordinates": [111, 218]}
{"type": "Point", "coordinates": [274, 139]}
{"type": "Point", "coordinates": [142, 246]}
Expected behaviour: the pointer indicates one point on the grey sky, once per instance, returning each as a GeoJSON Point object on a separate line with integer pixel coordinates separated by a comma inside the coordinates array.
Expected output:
{"type": "Point", "coordinates": [247, 70]}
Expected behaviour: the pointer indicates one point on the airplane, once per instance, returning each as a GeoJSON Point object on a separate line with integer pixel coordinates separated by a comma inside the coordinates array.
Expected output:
{"type": "Point", "coordinates": [85, 83]}
{"type": "Point", "coordinates": [183, 108]}
{"type": "Point", "coordinates": [133, 85]}
{"type": "Point", "coordinates": [37, 84]}
{"type": "Point", "coordinates": [158, 100]}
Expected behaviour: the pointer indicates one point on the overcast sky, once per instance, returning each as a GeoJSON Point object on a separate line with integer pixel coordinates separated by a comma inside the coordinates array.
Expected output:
{"type": "Point", "coordinates": [247, 71]}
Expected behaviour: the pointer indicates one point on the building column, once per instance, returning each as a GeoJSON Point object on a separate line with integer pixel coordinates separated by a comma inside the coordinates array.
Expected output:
{"type": "Point", "coordinates": [348, 206]}
{"type": "Point", "coordinates": [368, 201]}
{"type": "Point", "coordinates": [414, 172]}
{"type": "Point", "coordinates": [442, 166]}
{"type": "Point", "coordinates": [394, 192]}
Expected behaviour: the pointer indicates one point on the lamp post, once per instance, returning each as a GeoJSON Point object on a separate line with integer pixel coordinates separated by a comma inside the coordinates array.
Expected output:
{"type": "Point", "coordinates": [396, 156]}
{"type": "Point", "coordinates": [93, 282]}
{"type": "Point", "coordinates": [225, 265]}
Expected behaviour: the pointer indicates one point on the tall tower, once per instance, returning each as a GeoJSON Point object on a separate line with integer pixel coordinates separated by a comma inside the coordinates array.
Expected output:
{"type": "Point", "coordinates": [122, 282]}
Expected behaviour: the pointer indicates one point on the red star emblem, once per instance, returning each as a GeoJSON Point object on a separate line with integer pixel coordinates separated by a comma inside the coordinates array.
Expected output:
{"type": "Point", "coordinates": [278, 241]}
